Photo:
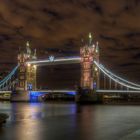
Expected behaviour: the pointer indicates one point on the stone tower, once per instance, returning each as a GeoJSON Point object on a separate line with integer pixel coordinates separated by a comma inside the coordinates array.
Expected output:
{"type": "Point", "coordinates": [26, 72]}
{"type": "Point", "coordinates": [89, 72]}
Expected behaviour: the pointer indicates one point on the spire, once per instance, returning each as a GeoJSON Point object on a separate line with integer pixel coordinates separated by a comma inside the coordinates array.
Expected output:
{"type": "Point", "coordinates": [82, 40]}
{"type": "Point", "coordinates": [28, 48]}
{"type": "Point", "coordinates": [97, 47]}
{"type": "Point", "coordinates": [27, 44]}
{"type": "Point", "coordinates": [19, 49]}
{"type": "Point", "coordinates": [83, 43]}
{"type": "Point", "coordinates": [90, 38]}
{"type": "Point", "coordinates": [34, 56]}
{"type": "Point", "coordinates": [34, 52]}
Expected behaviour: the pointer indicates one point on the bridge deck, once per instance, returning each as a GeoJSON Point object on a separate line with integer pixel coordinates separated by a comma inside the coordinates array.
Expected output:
{"type": "Point", "coordinates": [72, 60]}
{"type": "Point", "coordinates": [117, 91]}
{"type": "Point", "coordinates": [55, 91]}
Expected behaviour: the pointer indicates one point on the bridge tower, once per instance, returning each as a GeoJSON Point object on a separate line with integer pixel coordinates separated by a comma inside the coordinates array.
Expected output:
{"type": "Point", "coordinates": [26, 72]}
{"type": "Point", "coordinates": [89, 72]}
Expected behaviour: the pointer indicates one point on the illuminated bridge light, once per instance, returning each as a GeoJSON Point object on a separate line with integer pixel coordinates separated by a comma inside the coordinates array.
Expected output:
{"type": "Point", "coordinates": [119, 77]}
{"type": "Point", "coordinates": [114, 79]}
{"type": "Point", "coordinates": [117, 91]}
{"type": "Point", "coordinates": [37, 93]}
{"type": "Point", "coordinates": [68, 60]}
{"type": "Point", "coordinates": [35, 67]}
{"type": "Point", "coordinates": [41, 92]}
{"type": "Point", "coordinates": [8, 77]}
{"type": "Point", "coordinates": [27, 44]}
{"type": "Point", "coordinates": [71, 93]}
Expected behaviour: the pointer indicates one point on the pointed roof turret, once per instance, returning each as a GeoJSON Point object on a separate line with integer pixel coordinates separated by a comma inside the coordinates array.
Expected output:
{"type": "Point", "coordinates": [34, 52]}
{"type": "Point", "coordinates": [90, 39]}
{"type": "Point", "coordinates": [27, 44]}
{"type": "Point", "coordinates": [97, 47]}
{"type": "Point", "coordinates": [34, 56]}
{"type": "Point", "coordinates": [28, 48]}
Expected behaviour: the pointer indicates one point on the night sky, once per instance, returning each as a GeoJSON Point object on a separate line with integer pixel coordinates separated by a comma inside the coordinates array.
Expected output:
{"type": "Point", "coordinates": [56, 27]}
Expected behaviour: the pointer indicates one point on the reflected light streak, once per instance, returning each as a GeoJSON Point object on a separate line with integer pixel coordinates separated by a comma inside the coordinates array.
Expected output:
{"type": "Point", "coordinates": [29, 125]}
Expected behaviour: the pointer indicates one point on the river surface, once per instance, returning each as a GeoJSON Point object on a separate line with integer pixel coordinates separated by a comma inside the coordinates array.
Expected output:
{"type": "Point", "coordinates": [68, 121]}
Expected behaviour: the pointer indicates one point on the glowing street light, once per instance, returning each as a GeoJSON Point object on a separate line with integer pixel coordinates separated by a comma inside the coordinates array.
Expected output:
{"type": "Point", "coordinates": [90, 36]}
{"type": "Point", "coordinates": [96, 69]}
{"type": "Point", "coordinates": [28, 64]}
{"type": "Point", "coordinates": [90, 39]}
{"type": "Point", "coordinates": [34, 66]}
{"type": "Point", "coordinates": [27, 44]}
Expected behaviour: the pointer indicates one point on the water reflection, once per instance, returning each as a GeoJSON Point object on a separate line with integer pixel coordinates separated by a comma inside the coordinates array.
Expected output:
{"type": "Point", "coordinates": [25, 111]}
{"type": "Point", "coordinates": [51, 121]}
{"type": "Point", "coordinates": [28, 120]}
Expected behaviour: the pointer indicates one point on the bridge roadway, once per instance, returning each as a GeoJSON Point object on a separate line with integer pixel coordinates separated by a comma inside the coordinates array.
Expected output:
{"type": "Point", "coordinates": [74, 91]}
{"type": "Point", "coordinates": [99, 92]}
{"type": "Point", "coordinates": [112, 92]}
{"type": "Point", "coordinates": [69, 60]}
{"type": "Point", "coordinates": [41, 92]}
{"type": "Point", "coordinates": [55, 91]}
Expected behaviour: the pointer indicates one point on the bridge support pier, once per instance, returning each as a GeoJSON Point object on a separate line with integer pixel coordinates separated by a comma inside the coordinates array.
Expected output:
{"type": "Point", "coordinates": [88, 97]}
{"type": "Point", "coordinates": [89, 73]}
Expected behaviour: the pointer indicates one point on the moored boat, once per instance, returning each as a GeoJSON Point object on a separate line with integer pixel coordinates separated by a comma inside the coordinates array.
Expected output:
{"type": "Point", "coordinates": [3, 118]}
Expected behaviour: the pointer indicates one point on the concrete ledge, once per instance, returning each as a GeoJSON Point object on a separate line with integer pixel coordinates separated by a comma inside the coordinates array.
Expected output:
{"type": "Point", "coordinates": [20, 96]}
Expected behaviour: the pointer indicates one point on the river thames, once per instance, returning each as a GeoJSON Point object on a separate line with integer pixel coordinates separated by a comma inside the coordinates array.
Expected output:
{"type": "Point", "coordinates": [68, 121]}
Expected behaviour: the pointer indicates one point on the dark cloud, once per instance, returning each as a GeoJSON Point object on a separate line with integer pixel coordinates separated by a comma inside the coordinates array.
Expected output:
{"type": "Point", "coordinates": [136, 56]}
{"type": "Point", "coordinates": [128, 64]}
{"type": "Point", "coordinates": [57, 27]}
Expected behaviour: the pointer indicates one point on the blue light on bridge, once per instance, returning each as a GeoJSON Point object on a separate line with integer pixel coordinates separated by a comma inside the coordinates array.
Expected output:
{"type": "Point", "coordinates": [35, 94]}
{"type": "Point", "coordinates": [71, 93]}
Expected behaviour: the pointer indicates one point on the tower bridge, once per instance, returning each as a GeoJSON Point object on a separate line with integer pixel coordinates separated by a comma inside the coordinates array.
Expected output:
{"type": "Point", "coordinates": [22, 79]}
